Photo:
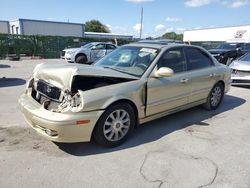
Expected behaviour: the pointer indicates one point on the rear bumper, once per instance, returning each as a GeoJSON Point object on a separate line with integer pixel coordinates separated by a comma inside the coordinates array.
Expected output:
{"type": "Point", "coordinates": [63, 126]}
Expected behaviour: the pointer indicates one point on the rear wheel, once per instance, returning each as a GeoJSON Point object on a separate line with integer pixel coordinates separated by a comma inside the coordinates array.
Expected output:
{"type": "Point", "coordinates": [215, 97]}
{"type": "Point", "coordinates": [82, 59]}
{"type": "Point", "coordinates": [115, 125]}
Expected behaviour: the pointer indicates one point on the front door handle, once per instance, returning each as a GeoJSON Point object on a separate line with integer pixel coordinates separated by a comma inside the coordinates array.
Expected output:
{"type": "Point", "coordinates": [185, 80]}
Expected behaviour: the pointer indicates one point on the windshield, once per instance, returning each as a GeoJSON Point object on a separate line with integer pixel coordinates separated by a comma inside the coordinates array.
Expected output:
{"type": "Point", "coordinates": [245, 57]}
{"type": "Point", "coordinates": [227, 46]}
{"type": "Point", "coordinates": [89, 45]}
{"type": "Point", "coordinates": [129, 60]}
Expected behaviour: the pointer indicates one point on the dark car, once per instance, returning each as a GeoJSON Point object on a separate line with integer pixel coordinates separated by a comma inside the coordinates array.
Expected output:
{"type": "Point", "coordinates": [226, 52]}
{"type": "Point", "coordinates": [161, 41]}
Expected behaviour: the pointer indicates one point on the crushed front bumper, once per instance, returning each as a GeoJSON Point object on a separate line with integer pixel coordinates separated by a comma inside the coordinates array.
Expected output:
{"type": "Point", "coordinates": [58, 127]}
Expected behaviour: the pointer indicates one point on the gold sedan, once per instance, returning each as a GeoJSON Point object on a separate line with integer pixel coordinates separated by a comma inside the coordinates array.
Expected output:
{"type": "Point", "coordinates": [134, 84]}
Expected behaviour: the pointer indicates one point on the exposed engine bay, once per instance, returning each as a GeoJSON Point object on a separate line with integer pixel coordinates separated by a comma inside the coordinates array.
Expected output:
{"type": "Point", "coordinates": [56, 100]}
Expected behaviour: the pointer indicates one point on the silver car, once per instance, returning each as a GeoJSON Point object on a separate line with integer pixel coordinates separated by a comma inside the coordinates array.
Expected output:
{"type": "Point", "coordinates": [134, 84]}
{"type": "Point", "coordinates": [240, 69]}
{"type": "Point", "coordinates": [88, 53]}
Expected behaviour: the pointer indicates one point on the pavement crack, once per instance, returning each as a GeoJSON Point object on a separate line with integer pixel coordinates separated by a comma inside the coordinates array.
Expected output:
{"type": "Point", "coordinates": [144, 176]}
{"type": "Point", "coordinates": [215, 174]}
{"type": "Point", "coordinates": [156, 168]}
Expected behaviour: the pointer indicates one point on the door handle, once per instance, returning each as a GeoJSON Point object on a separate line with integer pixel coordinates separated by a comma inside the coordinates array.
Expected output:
{"type": "Point", "coordinates": [185, 80]}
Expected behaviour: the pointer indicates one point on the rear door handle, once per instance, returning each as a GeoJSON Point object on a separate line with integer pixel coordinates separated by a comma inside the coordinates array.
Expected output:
{"type": "Point", "coordinates": [185, 80]}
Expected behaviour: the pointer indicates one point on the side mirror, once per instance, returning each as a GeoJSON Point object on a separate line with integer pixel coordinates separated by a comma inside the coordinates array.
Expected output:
{"type": "Point", "coordinates": [238, 49]}
{"type": "Point", "coordinates": [164, 72]}
{"type": "Point", "coordinates": [93, 48]}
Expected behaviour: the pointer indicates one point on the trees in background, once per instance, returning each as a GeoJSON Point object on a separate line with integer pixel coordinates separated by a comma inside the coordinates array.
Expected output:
{"type": "Point", "coordinates": [96, 26]}
{"type": "Point", "coordinates": [173, 36]}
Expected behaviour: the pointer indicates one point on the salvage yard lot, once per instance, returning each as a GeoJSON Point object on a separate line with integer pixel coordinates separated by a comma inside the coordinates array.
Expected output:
{"type": "Point", "coordinates": [193, 148]}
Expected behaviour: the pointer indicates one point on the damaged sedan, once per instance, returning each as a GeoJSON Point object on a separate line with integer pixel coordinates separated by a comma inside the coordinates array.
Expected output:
{"type": "Point", "coordinates": [134, 84]}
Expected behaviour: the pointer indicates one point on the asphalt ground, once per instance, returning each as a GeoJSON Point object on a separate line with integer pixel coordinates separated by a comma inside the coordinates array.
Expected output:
{"type": "Point", "coordinates": [193, 148]}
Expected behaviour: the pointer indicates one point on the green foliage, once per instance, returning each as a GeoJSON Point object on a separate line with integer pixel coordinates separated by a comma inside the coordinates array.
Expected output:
{"type": "Point", "coordinates": [96, 26]}
{"type": "Point", "coordinates": [173, 36]}
{"type": "Point", "coordinates": [42, 46]}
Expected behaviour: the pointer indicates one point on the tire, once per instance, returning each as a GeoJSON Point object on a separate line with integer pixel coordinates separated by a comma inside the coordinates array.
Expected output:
{"type": "Point", "coordinates": [81, 59]}
{"type": "Point", "coordinates": [215, 97]}
{"type": "Point", "coordinates": [112, 131]}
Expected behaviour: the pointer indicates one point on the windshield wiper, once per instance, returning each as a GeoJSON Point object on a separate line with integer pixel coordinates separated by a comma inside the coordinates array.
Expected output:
{"type": "Point", "coordinates": [120, 71]}
{"type": "Point", "coordinates": [114, 69]}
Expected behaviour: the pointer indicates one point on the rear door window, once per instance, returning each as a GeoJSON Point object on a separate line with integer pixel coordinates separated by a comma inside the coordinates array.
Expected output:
{"type": "Point", "coordinates": [197, 59]}
{"type": "Point", "coordinates": [110, 47]}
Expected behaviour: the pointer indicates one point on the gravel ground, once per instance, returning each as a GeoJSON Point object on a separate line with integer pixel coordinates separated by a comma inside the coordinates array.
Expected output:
{"type": "Point", "coordinates": [193, 148]}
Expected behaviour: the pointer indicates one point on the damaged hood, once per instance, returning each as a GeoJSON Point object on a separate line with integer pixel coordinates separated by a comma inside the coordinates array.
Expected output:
{"type": "Point", "coordinates": [61, 75]}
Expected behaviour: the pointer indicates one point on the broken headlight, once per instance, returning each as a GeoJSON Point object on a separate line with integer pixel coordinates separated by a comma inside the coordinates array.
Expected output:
{"type": "Point", "coordinates": [71, 103]}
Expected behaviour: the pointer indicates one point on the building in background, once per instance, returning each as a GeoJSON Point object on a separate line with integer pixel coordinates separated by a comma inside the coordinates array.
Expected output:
{"type": "Point", "coordinates": [222, 34]}
{"type": "Point", "coordinates": [4, 27]}
{"type": "Point", "coordinates": [107, 36]}
{"type": "Point", "coordinates": [51, 28]}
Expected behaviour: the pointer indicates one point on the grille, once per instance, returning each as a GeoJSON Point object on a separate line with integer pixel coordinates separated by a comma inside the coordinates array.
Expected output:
{"type": "Point", "coordinates": [63, 53]}
{"type": "Point", "coordinates": [241, 81]}
{"type": "Point", "coordinates": [48, 90]}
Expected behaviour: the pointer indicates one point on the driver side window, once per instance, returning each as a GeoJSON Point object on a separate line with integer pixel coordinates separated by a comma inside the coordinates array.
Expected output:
{"type": "Point", "coordinates": [174, 59]}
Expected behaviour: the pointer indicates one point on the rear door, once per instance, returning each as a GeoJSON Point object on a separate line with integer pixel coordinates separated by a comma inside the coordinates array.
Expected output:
{"type": "Point", "coordinates": [201, 72]}
{"type": "Point", "coordinates": [110, 48]}
{"type": "Point", "coordinates": [98, 52]}
{"type": "Point", "coordinates": [169, 92]}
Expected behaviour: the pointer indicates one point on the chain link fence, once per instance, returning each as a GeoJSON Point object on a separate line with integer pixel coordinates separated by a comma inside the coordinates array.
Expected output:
{"type": "Point", "coordinates": [43, 46]}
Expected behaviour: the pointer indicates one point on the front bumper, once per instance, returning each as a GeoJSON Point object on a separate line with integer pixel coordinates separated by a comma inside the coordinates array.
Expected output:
{"type": "Point", "coordinates": [63, 126]}
{"type": "Point", "coordinates": [240, 81]}
{"type": "Point", "coordinates": [69, 57]}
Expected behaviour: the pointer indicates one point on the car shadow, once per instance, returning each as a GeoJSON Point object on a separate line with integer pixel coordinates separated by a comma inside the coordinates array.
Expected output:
{"type": "Point", "coordinates": [10, 82]}
{"type": "Point", "coordinates": [4, 66]}
{"type": "Point", "coordinates": [156, 129]}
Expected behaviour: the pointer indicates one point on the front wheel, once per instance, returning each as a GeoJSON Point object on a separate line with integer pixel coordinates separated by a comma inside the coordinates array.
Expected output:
{"type": "Point", "coordinates": [215, 97]}
{"type": "Point", "coordinates": [115, 125]}
{"type": "Point", "coordinates": [82, 59]}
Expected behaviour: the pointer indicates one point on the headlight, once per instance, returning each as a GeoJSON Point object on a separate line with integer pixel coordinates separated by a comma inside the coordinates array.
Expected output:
{"type": "Point", "coordinates": [71, 103]}
{"type": "Point", "coordinates": [70, 52]}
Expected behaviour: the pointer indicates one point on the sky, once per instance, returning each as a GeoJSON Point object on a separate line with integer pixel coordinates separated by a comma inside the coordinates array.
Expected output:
{"type": "Point", "coordinates": [123, 16]}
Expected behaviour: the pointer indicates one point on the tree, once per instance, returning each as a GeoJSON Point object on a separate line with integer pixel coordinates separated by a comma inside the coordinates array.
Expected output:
{"type": "Point", "coordinates": [96, 26]}
{"type": "Point", "coordinates": [173, 36]}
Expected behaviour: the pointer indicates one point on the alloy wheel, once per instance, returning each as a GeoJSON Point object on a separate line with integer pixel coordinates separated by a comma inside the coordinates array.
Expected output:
{"type": "Point", "coordinates": [116, 125]}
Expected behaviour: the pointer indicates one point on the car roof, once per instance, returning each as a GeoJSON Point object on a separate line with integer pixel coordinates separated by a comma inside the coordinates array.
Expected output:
{"type": "Point", "coordinates": [155, 45]}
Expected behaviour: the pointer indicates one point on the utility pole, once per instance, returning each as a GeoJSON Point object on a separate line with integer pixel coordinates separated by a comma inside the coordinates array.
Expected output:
{"type": "Point", "coordinates": [141, 22]}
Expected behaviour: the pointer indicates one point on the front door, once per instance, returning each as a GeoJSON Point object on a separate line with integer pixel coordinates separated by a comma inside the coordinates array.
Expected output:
{"type": "Point", "coordinates": [168, 93]}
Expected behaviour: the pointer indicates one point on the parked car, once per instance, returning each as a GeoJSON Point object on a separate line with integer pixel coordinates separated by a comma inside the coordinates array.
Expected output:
{"type": "Point", "coordinates": [88, 53]}
{"type": "Point", "coordinates": [241, 70]}
{"type": "Point", "coordinates": [225, 53]}
{"type": "Point", "coordinates": [134, 84]}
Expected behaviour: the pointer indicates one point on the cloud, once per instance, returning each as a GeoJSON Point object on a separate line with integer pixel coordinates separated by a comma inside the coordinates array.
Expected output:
{"type": "Point", "coordinates": [197, 3]}
{"type": "Point", "coordinates": [236, 3]}
{"type": "Point", "coordinates": [170, 29]}
{"type": "Point", "coordinates": [160, 28]}
{"type": "Point", "coordinates": [180, 30]}
{"type": "Point", "coordinates": [137, 28]}
{"type": "Point", "coordinates": [139, 1]}
{"type": "Point", "coordinates": [173, 19]}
